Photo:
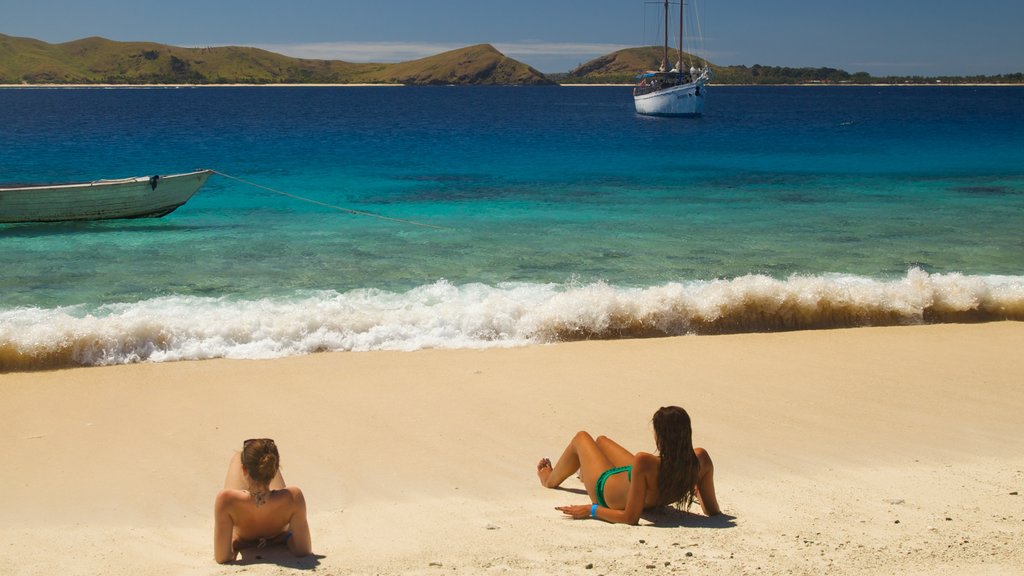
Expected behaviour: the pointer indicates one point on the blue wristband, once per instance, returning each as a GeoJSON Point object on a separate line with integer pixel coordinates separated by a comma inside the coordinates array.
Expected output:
{"type": "Point", "coordinates": [593, 510]}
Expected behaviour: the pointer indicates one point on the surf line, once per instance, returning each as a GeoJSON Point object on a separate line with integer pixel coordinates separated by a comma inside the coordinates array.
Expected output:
{"type": "Point", "coordinates": [332, 206]}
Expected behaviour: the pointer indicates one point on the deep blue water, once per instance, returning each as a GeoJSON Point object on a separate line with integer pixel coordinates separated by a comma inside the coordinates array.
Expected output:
{"type": "Point", "coordinates": [563, 215]}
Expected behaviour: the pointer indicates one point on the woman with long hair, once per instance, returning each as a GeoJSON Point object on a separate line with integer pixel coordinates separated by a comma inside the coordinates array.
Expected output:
{"type": "Point", "coordinates": [255, 508]}
{"type": "Point", "coordinates": [621, 485]}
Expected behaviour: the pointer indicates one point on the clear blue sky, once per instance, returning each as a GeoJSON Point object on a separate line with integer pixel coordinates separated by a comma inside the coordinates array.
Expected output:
{"type": "Point", "coordinates": [883, 37]}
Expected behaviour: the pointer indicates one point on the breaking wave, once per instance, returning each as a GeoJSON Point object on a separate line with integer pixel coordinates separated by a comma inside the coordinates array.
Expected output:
{"type": "Point", "coordinates": [443, 315]}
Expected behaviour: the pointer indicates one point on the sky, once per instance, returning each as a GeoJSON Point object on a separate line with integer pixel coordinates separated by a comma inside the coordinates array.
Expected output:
{"type": "Point", "coordinates": [881, 37]}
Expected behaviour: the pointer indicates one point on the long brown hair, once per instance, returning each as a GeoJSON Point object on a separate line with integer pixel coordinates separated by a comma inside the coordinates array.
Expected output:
{"type": "Point", "coordinates": [260, 460]}
{"type": "Point", "coordinates": [677, 476]}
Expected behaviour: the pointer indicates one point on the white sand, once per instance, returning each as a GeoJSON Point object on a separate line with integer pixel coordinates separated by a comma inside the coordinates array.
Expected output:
{"type": "Point", "coordinates": [868, 451]}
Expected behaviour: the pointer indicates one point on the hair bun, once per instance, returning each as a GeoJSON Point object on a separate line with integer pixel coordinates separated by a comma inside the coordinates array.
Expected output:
{"type": "Point", "coordinates": [268, 466]}
{"type": "Point", "coordinates": [260, 459]}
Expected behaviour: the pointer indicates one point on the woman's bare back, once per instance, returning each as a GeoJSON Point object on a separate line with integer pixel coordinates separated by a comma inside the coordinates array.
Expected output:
{"type": "Point", "coordinates": [243, 519]}
{"type": "Point", "coordinates": [267, 520]}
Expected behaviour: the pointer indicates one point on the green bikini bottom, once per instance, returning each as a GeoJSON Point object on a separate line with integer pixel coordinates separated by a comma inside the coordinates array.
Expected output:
{"type": "Point", "coordinates": [604, 478]}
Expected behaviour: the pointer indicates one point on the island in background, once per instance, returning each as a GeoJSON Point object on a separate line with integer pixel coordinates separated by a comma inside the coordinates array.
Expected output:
{"type": "Point", "coordinates": [26, 61]}
{"type": "Point", "coordinates": [101, 61]}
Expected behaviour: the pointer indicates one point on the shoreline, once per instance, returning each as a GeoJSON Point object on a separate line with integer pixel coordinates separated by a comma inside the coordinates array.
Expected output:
{"type": "Point", "coordinates": [176, 328]}
{"type": "Point", "coordinates": [848, 451]}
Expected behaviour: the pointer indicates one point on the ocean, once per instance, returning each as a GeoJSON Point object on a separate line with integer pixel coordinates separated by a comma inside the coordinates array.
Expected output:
{"type": "Point", "coordinates": [556, 214]}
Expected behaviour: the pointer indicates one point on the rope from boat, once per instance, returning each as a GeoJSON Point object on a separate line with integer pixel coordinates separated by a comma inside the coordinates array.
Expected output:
{"type": "Point", "coordinates": [332, 206]}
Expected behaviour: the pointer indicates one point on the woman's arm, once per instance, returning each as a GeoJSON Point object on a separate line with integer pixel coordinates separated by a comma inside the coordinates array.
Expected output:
{"type": "Point", "coordinates": [223, 529]}
{"type": "Point", "coordinates": [706, 483]}
{"type": "Point", "coordinates": [300, 544]}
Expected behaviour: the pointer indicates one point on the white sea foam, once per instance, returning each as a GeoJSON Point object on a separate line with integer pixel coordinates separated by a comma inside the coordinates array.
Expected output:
{"type": "Point", "coordinates": [442, 315]}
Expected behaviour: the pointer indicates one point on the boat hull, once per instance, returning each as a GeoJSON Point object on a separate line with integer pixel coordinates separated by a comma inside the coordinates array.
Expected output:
{"type": "Point", "coordinates": [686, 100]}
{"type": "Point", "coordinates": [143, 197]}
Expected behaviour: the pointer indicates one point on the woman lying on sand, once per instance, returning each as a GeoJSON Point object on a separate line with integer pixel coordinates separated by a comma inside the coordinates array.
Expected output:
{"type": "Point", "coordinates": [622, 485]}
{"type": "Point", "coordinates": [255, 509]}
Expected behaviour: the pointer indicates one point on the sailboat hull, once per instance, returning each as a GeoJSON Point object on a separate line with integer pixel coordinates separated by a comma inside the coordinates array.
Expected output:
{"type": "Point", "coordinates": [686, 100]}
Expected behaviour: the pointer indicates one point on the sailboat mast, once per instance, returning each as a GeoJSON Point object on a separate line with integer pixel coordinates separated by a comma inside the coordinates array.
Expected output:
{"type": "Point", "coordinates": [664, 58]}
{"type": "Point", "coordinates": [679, 64]}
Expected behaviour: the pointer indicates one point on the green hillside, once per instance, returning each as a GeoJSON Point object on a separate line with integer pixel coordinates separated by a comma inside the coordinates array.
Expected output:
{"type": "Point", "coordinates": [100, 61]}
{"type": "Point", "coordinates": [480, 64]}
{"type": "Point", "coordinates": [622, 67]}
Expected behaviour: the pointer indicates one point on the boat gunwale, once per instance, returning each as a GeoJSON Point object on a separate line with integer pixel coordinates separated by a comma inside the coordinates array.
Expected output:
{"type": "Point", "coordinates": [667, 89]}
{"type": "Point", "coordinates": [95, 183]}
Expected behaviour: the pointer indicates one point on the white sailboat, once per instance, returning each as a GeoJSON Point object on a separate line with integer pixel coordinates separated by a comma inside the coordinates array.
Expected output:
{"type": "Point", "coordinates": [675, 92]}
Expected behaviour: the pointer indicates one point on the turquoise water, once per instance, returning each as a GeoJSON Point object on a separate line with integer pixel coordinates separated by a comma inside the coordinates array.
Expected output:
{"type": "Point", "coordinates": [562, 215]}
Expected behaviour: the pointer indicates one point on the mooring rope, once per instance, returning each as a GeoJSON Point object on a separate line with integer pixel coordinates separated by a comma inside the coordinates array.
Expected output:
{"type": "Point", "coordinates": [332, 206]}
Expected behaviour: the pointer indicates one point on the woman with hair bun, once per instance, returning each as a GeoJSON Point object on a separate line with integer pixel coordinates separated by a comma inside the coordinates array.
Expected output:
{"type": "Point", "coordinates": [255, 508]}
{"type": "Point", "coordinates": [622, 485]}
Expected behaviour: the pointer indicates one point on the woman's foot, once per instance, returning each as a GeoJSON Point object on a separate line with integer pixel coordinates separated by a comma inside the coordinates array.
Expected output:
{"type": "Point", "coordinates": [543, 471]}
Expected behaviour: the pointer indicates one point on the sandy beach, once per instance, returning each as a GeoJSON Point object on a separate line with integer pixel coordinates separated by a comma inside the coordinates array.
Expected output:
{"type": "Point", "coordinates": [863, 451]}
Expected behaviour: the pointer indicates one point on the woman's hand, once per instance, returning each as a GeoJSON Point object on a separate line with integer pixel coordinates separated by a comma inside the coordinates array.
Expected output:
{"type": "Point", "coordinates": [578, 512]}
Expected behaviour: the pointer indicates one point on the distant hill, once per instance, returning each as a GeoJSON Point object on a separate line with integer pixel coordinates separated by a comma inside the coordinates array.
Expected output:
{"type": "Point", "coordinates": [480, 64]}
{"type": "Point", "coordinates": [621, 67]}
{"type": "Point", "coordinates": [101, 61]}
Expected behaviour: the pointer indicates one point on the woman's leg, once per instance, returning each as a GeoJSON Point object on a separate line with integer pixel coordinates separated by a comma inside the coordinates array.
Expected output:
{"type": "Point", "coordinates": [706, 483]}
{"type": "Point", "coordinates": [581, 454]}
{"type": "Point", "coordinates": [618, 455]}
{"type": "Point", "coordinates": [235, 479]}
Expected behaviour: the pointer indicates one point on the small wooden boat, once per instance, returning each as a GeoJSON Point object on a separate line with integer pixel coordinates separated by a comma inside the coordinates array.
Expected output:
{"type": "Point", "coordinates": [142, 197]}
